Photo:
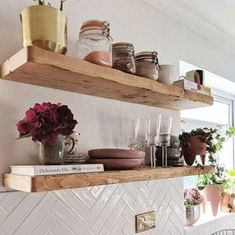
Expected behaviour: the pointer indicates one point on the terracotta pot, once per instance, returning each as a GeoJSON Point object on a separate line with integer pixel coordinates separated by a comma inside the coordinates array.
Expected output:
{"type": "Point", "coordinates": [212, 195]}
{"type": "Point", "coordinates": [196, 147]}
{"type": "Point", "coordinates": [228, 203]}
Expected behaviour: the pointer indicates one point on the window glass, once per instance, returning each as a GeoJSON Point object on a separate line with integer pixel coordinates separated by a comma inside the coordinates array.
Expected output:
{"type": "Point", "coordinates": [218, 113]}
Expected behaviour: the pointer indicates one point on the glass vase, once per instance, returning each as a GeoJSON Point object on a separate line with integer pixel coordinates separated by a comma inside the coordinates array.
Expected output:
{"type": "Point", "coordinates": [52, 154]}
{"type": "Point", "coordinates": [191, 214]}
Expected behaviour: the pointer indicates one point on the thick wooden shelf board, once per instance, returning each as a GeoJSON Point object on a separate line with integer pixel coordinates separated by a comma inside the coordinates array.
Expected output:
{"type": "Point", "coordinates": [56, 182]}
{"type": "Point", "coordinates": [40, 67]}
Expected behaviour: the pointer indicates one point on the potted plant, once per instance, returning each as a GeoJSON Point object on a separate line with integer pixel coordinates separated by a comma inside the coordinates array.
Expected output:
{"type": "Point", "coordinates": [192, 201]}
{"type": "Point", "coordinates": [48, 124]}
{"type": "Point", "coordinates": [45, 27]}
{"type": "Point", "coordinates": [200, 142]}
{"type": "Point", "coordinates": [228, 193]}
{"type": "Point", "coordinates": [212, 184]}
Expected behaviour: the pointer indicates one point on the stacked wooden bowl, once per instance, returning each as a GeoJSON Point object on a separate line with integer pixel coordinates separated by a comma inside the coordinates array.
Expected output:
{"type": "Point", "coordinates": [117, 159]}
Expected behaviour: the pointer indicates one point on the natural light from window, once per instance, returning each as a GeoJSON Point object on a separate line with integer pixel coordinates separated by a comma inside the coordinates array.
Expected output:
{"type": "Point", "coordinates": [220, 115]}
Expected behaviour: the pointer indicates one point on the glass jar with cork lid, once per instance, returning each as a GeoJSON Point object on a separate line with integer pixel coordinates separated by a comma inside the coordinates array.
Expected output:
{"type": "Point", "coordinates": [147, 64]}
{"type": "Point", "coordinates": [124, 57]}
{"type": "Point", "coordinates": [95, 43]}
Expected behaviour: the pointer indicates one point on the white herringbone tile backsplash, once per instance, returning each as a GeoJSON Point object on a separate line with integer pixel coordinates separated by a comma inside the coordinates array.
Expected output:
{"type": "Point", "coordinates": [101, 210]}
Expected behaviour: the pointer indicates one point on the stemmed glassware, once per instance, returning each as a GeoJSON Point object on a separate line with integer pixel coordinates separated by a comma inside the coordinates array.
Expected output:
{"type": "Point", "coordinates": [164, 141]}
{"type": "Point", "coordinates": [151, 131]}
{"type": "Point", "coordinates": [154, 123]}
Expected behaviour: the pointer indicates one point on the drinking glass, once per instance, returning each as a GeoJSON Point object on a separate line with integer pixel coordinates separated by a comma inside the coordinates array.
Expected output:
{"type": "Point", "coordinates": [137, 133]}
{"type": "Point", "coordinates": [154, 122]}
{"type": "Point", "coordinates": [132, 132]}
{"type": "Point", "coordinates": [165, 133]}
{"type": "Point", "coordinates": [141, 133]}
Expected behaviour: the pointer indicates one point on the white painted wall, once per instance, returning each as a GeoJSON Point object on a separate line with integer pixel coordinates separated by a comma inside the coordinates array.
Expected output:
{"type": "Point", "coordinates": [148, 29]}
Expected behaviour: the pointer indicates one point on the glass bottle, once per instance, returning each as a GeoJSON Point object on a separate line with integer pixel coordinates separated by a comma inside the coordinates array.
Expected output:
{"type": "Point", "coordinates": [95, 43]}
{"type": "Point", "coordinates": [147, 64]}
{"type": "Point", "coordinates": [124, 57]}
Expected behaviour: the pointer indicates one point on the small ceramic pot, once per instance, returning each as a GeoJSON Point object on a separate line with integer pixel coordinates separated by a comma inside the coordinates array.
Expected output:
{"type": "Point", "coordinates": [213, 199]}
{"type": "Point", "coordinates": [172, 153]}
{"type": "Point", "coordinates": [228, 203]}
{"type": "Point", "coordinates": [166, 74]}
{"type": "Point", "coordinates": [196, 147]}
{"type": "Point", "coordinates": [174, 141]}
{"type": "Point", "coordinates": [191, 214]}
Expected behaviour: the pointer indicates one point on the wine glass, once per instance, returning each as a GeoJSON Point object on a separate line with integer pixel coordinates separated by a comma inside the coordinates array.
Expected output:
{"type": "Point", "coordinates": [154, 122]}
{"type": "Point", "coordinates": [165, 133]}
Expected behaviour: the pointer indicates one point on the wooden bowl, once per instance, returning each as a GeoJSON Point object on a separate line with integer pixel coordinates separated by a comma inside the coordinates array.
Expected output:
{"type": "Point", "coordinates": [118, 164]}
{"type": "Point", "coordinates": [115, 154]}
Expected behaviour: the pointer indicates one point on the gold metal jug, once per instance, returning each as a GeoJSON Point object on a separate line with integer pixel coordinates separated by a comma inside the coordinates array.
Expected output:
{"type": "Point", "coordinates": [44, 27]}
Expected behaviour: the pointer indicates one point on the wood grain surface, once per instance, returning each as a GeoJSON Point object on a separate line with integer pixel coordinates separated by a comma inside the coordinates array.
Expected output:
{"type": "Point", "coordinates": [81, 180]}
{"type": "Point", "coordinates": [40, 67]}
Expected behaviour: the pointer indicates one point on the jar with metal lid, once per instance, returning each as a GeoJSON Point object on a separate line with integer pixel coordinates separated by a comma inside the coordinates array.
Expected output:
{"type": "Point", "coordinates": [147, 64]}
{"type": "Point", "coordinates": [95, 43]}
{"type": "Point", "coordinates": [124, 57]}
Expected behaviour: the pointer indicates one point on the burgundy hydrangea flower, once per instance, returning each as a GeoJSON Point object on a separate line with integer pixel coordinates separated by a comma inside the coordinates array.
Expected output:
{"type": "Point", "coordinates": [44, 122]}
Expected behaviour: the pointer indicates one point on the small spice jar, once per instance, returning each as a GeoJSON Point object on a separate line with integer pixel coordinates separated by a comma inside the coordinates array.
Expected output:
{"type": "Point", "coordinates": [95, 43]}
{"type": "Point", "coordinates": [147, 64]}
{"type": "Point", "coordinates": [124, 57]}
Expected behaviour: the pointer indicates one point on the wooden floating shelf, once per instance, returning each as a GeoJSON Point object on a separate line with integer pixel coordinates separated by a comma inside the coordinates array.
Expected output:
{"type": "Point", "coordinates": [40, 67]}
{"type": "Point", "coordinates": [81, 180]}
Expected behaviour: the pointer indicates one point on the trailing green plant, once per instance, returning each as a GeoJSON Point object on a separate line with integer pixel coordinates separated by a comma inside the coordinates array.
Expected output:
{"type": "Point", "coordinates": [214, 145]}
{"type": "Point", "coordinates": [217, 177]}
{"type": "Point", "coordinates": [209, 136]}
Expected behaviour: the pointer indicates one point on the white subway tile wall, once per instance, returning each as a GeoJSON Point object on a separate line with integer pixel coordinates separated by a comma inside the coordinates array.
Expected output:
{"type": "Point", "coordinates": [101, 210]}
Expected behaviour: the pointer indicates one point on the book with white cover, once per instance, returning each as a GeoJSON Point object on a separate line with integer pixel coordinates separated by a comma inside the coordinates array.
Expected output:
{"type": "Point", "coordinates": [32, 170]}
{"type": "Point", "coordinates": [192, 86]}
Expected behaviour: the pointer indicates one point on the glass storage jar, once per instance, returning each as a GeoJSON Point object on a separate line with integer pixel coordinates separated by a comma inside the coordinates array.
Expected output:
{"type": "Point", "coordinates": [95, 43]}
{"type": "Point", "coordinates": [147, 64]}
{"type": "Point", "coordinates": [124, 57]}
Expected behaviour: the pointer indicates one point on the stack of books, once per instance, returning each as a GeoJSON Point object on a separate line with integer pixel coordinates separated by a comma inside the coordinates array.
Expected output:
{"type": "Point", "coordinates": [34, 170]}
{"type": "Point", "coordinates": [192, 86]}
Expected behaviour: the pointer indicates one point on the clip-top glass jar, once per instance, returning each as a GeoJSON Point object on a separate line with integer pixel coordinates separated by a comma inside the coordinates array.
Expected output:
{"type": "Point", "coordinates": [95, 43]}
{"type": "Point", "coordinates": [147, 64]}
{"type": "Point", "coordinates": [124, 57]}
